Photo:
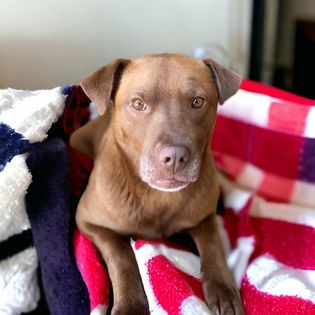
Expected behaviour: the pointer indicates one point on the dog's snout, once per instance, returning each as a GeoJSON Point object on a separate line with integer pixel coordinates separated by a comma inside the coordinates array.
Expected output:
{"type": "Point", "coordinates": [174, 157]}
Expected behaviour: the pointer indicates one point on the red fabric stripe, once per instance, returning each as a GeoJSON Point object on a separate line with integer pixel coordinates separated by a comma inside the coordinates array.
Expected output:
{"type": "Point", "coordinates": [80, 166]}
{"type": "Point", "coordinates": [231, 223]}
{"type": "Point", "coordinates": [231, 137]}
{"type": "Point", "coordinates": [280, 239]}
{"type": "Point", "coordinates": [260, 88]}
{"type": "Point", "coordinates": [170, 285]}
{"type": "Point", "coordinates": [287, 118]}
{"type": "Point", "coordinates": [291, 244]}
{"type": "Point", "coordinates": [276, 152]}
{"type": "Point", "coordinates": [272, 187]}
{"type": "Point", "coordinates": [276, 188]}
{"type": "Point", "coordinates": [238, 224]}
{"type": "Point", "coordinates": [260, 303]}
{"type": "Point", "coordinates": [76, 112]}
{"type": "Point", "coordinates": [263, 148]}
{"type": "Point", "coordinates": [92, 270]}
{"type": "Point", "coordinates": [231, 165]}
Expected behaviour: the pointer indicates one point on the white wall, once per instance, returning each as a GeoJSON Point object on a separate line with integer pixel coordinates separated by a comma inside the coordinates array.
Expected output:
{"type": "Point", "coordinates": [56, 42]}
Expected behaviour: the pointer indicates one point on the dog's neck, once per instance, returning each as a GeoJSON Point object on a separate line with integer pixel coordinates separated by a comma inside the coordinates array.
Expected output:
{"type": "Point", "coordinates": [119, 189]}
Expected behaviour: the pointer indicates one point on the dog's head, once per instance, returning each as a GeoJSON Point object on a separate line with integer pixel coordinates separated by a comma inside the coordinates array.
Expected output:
{"type": "Point", "coordinates": [163, 112]}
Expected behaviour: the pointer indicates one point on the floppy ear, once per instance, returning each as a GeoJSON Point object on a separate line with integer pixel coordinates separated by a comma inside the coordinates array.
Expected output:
{"type": "Point", "coordinates": [100, 85]}
{"type": "Point", "coordinates": [227, 81]}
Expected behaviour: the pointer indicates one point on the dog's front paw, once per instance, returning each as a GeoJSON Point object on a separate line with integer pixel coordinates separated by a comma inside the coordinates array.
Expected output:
{"type": "Point", "coordinates": [134, 307]}
{"type": "Point", "coordinates": [222, 299]}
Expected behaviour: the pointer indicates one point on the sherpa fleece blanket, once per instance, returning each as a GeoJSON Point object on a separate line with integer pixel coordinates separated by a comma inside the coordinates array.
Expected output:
{"type": "Point", "coordinates": [264, 143]}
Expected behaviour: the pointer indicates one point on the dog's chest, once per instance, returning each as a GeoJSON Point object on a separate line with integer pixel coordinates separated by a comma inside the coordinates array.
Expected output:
{"type": "Point", "coordinates": [154, 222]}
{"type": "Point", "coordinates": [163, 223]}
{"type": "Point", "coordinates": [139, 211]}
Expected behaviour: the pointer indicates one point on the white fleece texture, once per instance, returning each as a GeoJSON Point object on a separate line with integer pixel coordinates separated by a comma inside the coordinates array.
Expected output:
{"type": "Point", "coordinates": [19, 291]}
{"type": "Point", "coordinates": [14, 181]}
{"type": "Point", "coordinates": [30, 113]}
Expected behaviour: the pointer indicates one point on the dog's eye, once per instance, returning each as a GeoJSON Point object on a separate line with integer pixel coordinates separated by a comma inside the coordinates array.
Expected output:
{"type": "Point", "coordinates": [197, 102]}
{"type": "Point", "coordinates": [138, 104]}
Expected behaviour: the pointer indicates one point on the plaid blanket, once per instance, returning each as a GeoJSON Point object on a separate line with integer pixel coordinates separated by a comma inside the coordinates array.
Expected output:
{"type": "Point", "coordinates": [264, 145]}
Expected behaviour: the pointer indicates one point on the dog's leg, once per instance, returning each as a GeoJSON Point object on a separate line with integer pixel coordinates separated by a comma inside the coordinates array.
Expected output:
{"type": "Point", "coordinates": [221, 294]}
{"type": "Point", "coordinates": [129, 296]}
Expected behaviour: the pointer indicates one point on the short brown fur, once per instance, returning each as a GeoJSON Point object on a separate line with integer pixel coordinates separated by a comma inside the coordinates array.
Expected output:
{"type": "Point", "coordinates": [120, 200]}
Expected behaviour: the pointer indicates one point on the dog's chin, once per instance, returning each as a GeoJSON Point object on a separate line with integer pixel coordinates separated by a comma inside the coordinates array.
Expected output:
{"type": "Point", "coordinates": [168, 185]}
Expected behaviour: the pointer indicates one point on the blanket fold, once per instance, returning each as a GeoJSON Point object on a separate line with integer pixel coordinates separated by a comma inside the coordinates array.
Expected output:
{"type": "Point", "coordinates": [52, 224]}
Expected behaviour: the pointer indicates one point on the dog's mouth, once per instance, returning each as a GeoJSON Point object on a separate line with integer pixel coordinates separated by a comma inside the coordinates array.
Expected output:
{"type": "Point", "coordinates": [168, 180]}
{"type": "Point", "coordinates": [168, 184]}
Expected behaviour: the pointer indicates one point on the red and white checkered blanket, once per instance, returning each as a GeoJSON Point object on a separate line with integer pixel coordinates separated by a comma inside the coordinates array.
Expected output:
{"type": "Point", "coordinates": [264, 143]}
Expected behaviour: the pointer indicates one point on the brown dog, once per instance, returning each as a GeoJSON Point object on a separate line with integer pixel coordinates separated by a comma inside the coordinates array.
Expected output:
{"type": "Point", "coordinates": [154, 173]}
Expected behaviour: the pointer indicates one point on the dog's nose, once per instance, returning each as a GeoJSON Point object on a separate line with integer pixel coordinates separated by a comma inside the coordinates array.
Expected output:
{"type": "Point", "coordinates": [174, 157]}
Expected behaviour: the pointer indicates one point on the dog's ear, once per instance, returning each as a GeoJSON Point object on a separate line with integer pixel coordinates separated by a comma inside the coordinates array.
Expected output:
{"type": "Point", "coordinates": [227, 81]}
{"type": "Point", "coordinates": [100, 85]}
